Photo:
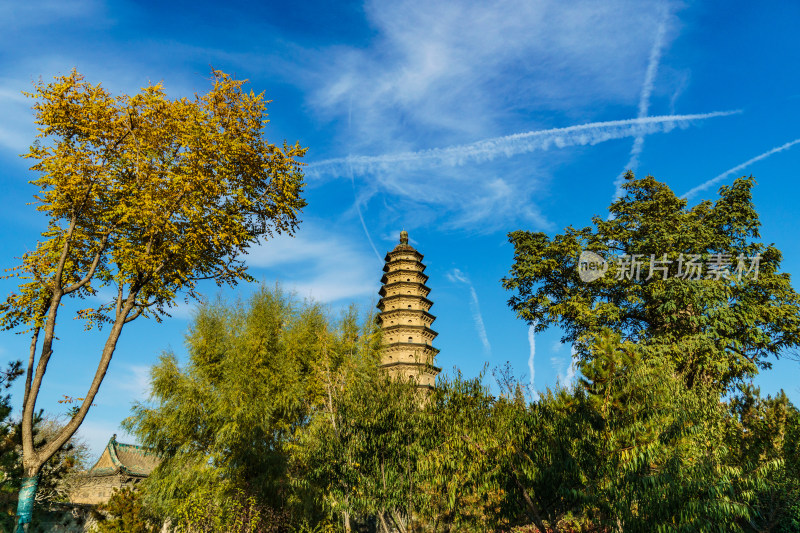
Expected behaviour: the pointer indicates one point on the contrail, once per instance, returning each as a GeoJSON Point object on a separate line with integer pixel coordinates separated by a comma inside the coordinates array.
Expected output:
{"type": "Point", "coordinates": [572, 365]}
{"type": "Point", "coordinates": [644, 103]}
{"type": "Point", "coordinates": [355, 196]}
{"type": "Point", "coordinates": [705, 185]}
{"type": "Point", "coordinates": [457, 275]}
{"type": "Point", "coordinates": [361, 217]}
{"type": "Point", "coordinates": [511, 145]}
{"type": "Point", "coordinates": [532, 343]}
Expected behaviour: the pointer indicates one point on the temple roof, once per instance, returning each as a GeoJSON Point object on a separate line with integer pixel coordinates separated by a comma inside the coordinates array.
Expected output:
{"type": "Point", "coordinates": [119, 458]}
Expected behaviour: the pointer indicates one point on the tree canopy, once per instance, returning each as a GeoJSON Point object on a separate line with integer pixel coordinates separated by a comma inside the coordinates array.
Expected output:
{"type": "Point", "coordinates": [144, 197]}
{"type": "Point", "coordinates": [694, 283]}
{"type": "Point", "coordinates": [241, 415]}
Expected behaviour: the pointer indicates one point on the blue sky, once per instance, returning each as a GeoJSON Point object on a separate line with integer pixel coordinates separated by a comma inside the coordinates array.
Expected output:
{"type": "Point", "coordinates": [459, 122]}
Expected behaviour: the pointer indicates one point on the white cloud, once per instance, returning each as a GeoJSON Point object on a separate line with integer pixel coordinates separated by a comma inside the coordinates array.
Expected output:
{"type": "Point", "coordinates": [457, 276]}
{"type": "Point", "coordinates": [458, 68]}
{"type": "Point", "coordinates": [435, 76]}
{"type": "Point", "coordinates": [558, 364]}
{"type": "Point", "coordinates": [34, 13]}
{"type": "Point", "coordinates": [17, 130]}
{"type": "Point", "coordinates": [573, 364]}
{"type": "Point", "coordinates": [706, 184]}
{"type": "Point", "coordinates": [461, 181]}
{"type": "Point", "coordinates": [508, 145]}
{"type": "Point", "coordinates": [322, 264]}
{"type": "Point", "coordinates": [644, 102]}
{"type": "Point", "coordinates": [531, 368]}
{"type": "Point", "coordinates": [136, 382]}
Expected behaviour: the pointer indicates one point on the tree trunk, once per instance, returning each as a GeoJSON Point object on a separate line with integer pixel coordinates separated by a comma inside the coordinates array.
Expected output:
{"type": "Point", "coordinates": [346, 519]}
{"type": "Point", "coordinates": [27, 495]}
{"type": "Point", "coordinates": [384, 527]}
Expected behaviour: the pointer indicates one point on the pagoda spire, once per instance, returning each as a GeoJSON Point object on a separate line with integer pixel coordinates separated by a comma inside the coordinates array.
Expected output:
{"type": "Point", "coordinates": [404, 317]}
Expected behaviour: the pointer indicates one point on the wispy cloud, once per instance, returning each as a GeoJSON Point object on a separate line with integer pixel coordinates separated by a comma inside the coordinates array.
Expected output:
{"type": "Point", "coordinates": [464, 186]}
{"type": "Point", "coordinates": [429, 101]}
{"type": "Point", "coordinates": [573, 364]}
{"type": "Point", "coordinates": [509, 145]}
{"type": "Point", "coordinates": [136, 382]}
{"type": "Point", "coordinates": [445, 67]}
{"type": "Point", "coordinates": [567, 379]}
{"type": "Point", "coordinates": [706, 184]}
{"type": "Point", "coordinates": [644, 101]}
{"type": "Point", "coordinates": [531, 368]}
{"type": "Point", "coordinates": [357, 204]}
{"type": "Point", "coordinates": [457, 276]}
{"type": "Point", "coordinates": [320, 263]}
{"type": "Point", "coordinates": [17, 130]}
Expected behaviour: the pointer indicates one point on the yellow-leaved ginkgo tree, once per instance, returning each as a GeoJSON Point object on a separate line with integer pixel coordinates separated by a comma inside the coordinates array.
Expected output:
{"type": "Point", "coordinates": [144, 196]}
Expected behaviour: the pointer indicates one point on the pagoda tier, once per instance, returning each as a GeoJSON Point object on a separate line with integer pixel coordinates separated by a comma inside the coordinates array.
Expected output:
{"type": "Point", "coordinates": [405, 319]}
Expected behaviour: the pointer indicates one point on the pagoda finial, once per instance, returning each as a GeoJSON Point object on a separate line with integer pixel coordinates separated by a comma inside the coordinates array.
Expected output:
{"type": "Point", "coordinates": [404, 237]}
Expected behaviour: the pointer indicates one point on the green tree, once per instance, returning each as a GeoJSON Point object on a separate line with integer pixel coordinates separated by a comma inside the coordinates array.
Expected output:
{"type": "Point", "coordinates": [227, 423]}
{"type": "Point", "coordinates": [57, 476]}
{"type": "Point", "coordinates": [358, 450]}
{"type": "Point", "coordinates": [9, 455]}
{"type": "Point", "coordinates": [717, 331]}
{"type": "Point", "coordinates": [764, 431]}
{"type": "Point", "coordinates": [144, 196]}
{"type": "Point", "coordinates": [125, 513]}
{"type": "Point", "coordinates": [660, 455]}
{"type": "Point", "coordinates": [462, 452]}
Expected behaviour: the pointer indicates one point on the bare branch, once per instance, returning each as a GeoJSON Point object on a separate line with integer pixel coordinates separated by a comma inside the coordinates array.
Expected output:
{"type": "Point", "coordinates": [31, 357]}
{"type": "Point", "coordinates": [119, 301]}
{"type": "Point", "coordinates": [59, 270]}
{"type": "Point", "coordinates": [93, 267]}
{"type": "Point", "coordinates": [134, 316]}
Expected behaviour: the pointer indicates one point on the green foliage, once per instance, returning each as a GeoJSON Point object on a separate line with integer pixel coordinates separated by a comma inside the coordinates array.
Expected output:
{"type": "Point", "coordinates": [717, 331]}
{"type": "Point", "coordinates": [125, 513]}
{"type": "Point", "coordinates": [464, 447]}
{"type": "Point", "coordinates": [660, 454]}
{"type": "Point", "coordinates": [9, 455]}
{"type": "Point", "coordinates": [766, 431]}
{"type": "Point", "coordinates": [356, 453]}
{"type": "Point", "coordinates": [57, 476]}
{"type": "Point", "coordinates": [144, 196]}
{"type": "Point", "coordinates": [646, 442]}
{"type": "Point", "coordinates": [258, 372]}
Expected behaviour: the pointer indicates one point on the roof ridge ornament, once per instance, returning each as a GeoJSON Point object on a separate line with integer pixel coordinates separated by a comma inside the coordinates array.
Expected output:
{"type": "Point", "coordinates": [404, 237]}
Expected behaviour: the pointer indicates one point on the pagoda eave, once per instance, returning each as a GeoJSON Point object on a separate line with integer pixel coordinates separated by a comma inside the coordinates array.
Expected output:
{"type": "Point", "coordinates": [425, 290]}
{"type": "Point", "coordinates": [416, 345]}
{"type": "Point", "coordinates": [381, 303]}
{"type": "Point", "coordinates": [426, 366]}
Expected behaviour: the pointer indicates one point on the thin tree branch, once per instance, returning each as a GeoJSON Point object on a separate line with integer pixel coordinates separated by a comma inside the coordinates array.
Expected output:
{"type": "Point", "coordinates": [59, 270]}
{"type": "Point", "coordinates": [92, 268]}
{"type": "Point", "coordinates": [31, 358]}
